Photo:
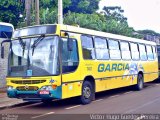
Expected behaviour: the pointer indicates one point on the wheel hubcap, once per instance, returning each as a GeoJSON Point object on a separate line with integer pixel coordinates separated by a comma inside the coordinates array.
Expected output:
{"type": "Point", "coordinates": [140, 82]}
{"type": "Point", "coordinates": [86, 92]}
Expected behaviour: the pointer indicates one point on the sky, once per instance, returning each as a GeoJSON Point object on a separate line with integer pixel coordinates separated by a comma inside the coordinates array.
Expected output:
{"type": "Point", "coordinates": [141, 14]}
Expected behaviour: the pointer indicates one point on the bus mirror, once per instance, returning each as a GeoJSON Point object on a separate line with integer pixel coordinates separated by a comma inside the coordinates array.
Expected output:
{"type": "Point", "coordinates": [70, 44]}
{"type": "Point", "coordinates": [2, 52]}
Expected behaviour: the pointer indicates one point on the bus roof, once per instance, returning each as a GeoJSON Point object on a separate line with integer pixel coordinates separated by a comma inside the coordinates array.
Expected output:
{"type": "Point", "coordinates": [79, 30]}
{"type": "Point", "coordinates": [75, 29]}
{"type": "Point", "coordinates": [7, 24]}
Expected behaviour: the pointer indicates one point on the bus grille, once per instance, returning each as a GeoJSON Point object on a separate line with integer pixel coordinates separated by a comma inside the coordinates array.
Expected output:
{"type": "Point", "coordinates": [27, 88]}
{"type": "Point", "coordinates": [27, 81]}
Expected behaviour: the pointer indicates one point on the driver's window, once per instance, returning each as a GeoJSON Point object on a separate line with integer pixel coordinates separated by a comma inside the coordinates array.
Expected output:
{"type": "Point", "coordinates": [70, 59]}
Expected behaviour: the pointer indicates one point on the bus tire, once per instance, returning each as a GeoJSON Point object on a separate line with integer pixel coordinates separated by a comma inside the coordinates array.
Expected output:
{"type": "Point", "coordinates": [87, 93]}
{"type": "Point", "coordinates": [140, 82]}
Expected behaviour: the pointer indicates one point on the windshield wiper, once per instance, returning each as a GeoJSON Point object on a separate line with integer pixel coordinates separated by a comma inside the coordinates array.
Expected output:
{"type": "Point", "coordinates": [5, 35]}
{"type": "Point", "coordinates": [23, 44]}
{"type": "Point", "coordinates": [36, 42]}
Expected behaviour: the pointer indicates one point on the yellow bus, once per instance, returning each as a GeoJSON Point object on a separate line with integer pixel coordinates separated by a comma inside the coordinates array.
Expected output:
{"type": "Point", "coordinates": [49, 62]}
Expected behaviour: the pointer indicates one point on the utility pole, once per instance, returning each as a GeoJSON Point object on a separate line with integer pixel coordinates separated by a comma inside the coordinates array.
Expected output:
{"type": "Point", "coordinates": [60, 12]}
{"type": "Point", "coordinates": [28, 12]}
{"type": "Point", "coordinates": [37, 11]}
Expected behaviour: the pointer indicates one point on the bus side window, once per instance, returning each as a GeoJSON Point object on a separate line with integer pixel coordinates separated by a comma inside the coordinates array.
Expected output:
{"type": "Point", "coordinates": [70, 59]}
{"type": "Point", "coordinates": [114, 50]}
{"type": "Point", "coordinates": [126, 55]}
{"type": "Point", "coordinates": [149, 52]}
{"type": "Point", "coordinates": [154, 51]}
{"type": "Point", "coordinates": [143, 54]}
{"type": "Point", "coordinates": [101, 48]}
{"type": "Point", "coordinates": [88, 47]}
{"type": "Point", "coordinates": [134, 51]}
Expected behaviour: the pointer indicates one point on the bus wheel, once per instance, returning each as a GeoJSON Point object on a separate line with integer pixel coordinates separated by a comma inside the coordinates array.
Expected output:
{"type": "Point", "coordinates": [140, 82]}
{"type": "Point", "coordinates": [87, 93]}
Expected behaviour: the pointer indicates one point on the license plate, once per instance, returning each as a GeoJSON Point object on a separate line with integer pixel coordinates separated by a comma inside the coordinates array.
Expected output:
{"type": "Point", "coordinates": [44, 92]}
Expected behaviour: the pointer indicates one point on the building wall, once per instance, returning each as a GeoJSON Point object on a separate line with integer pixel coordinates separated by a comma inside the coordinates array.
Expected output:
{"type": "Point", "coordinates": [3, 66]}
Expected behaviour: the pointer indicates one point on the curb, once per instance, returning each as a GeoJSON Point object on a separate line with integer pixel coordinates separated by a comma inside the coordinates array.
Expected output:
{"type": "Point", "coordinates": [14, 105]}
{"type": "Point", "coordinates": [3, 90]}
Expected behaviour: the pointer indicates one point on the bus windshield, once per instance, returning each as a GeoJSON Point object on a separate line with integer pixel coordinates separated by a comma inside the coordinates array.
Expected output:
{"type": "Point", "coordinates": [6, 31]}
{"type": "Point", "coordinates": [44, 61]}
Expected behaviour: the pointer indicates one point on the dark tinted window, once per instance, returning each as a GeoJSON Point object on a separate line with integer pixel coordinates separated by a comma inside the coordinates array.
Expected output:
{"type": "Point", "coordinates": [101, 48]}
{"type": "Point", "coordinates": [134, 51]}
{"type": "Point", "coordinates": [142, 50]}
{"type": "Point", "coordinates": [114, 50]}
{"type": "Point", "coordinates": [126, 55]}
{"type": "Point", "coordinates": [88, 47]}
{"type": "Point", "coordinates": [35, 30]}
{"type": "Point", "coordinates": [149, 52]}
{"type": "Point", "coordinates": [5, 31]}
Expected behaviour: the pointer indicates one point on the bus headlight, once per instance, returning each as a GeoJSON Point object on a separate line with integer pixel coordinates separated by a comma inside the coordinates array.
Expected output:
{"type": "Point", "coordinates": [9, 88]}
{"type": "Point", "coordinates": [46, 88]}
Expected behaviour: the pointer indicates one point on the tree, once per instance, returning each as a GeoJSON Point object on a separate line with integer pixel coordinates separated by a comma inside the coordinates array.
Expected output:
{"type": "Point", "coordinates": [91, 21]}
{"type": "Point", "coordinates": [148, 32]}
{"type": "Point", "coordinates": [116, 21]}
{"type": "Point", "coordinates": [82, 6]}
{"type": "Point", "coordinates": [10, 11]}
{"type": "Point", "coordinates": [115, 13]}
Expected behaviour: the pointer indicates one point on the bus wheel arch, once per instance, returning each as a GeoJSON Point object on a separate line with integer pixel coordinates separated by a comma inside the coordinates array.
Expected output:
{"type": "Point", "coordinates": [88, 90]}
{"type": "Point", "coordinates": [140, 81]}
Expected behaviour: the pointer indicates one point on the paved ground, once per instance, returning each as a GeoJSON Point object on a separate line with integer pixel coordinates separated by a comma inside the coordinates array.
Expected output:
{"type": "Point", "coordinates": [8, 102]}
{"type": "Point", "coordinates": [119, 101]}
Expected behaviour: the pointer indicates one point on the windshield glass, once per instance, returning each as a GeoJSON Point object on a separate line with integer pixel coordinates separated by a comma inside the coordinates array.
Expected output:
{"type": "Point", "coordinates": [5, 31]}
{"type": "Point", "coordinates": [43, 62]}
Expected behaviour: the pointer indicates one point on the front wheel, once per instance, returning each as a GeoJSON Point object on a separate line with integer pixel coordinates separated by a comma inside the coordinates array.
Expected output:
{"type": "Point", "coordinates": [140, 82]}
{"type": "Point", "coordinates": [87, 93]}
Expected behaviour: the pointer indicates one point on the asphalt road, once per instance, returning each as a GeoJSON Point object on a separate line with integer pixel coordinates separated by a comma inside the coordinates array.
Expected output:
{"type": "Point", "coordinates": [119, 101]}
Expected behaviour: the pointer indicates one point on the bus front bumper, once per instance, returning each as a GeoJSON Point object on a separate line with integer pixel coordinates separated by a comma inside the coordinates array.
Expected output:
{"type": "Point", "coordinates": [38, 95]}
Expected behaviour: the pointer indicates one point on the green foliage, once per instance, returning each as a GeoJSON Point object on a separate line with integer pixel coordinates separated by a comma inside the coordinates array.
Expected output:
{"type": "Point", "coordinates": [92, 21]}
{"type": "Point", "coordinates": [82, 6]}
{"type": "Point", "coordinates": [81, 12]}
{"type": "Point", "coordinates": [48, 16]}
{"type": "Point", "coordinates": [148, 32]}
{"type": "Point", "coordinates": [98, 22]}
{"type": "Point", "coordinates": [10, 11]}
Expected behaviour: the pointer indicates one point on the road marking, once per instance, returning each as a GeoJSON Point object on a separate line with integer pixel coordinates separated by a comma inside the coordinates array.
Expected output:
{"type": "Point", "coordinates": [128, 92]}
{"type": "Point", "coordinates": [114, 96]}
{"type": "Point", "coordinates": [141, 106]}
{"type": "Point", "coordinates": [97, 100]}
{"type": "Point", "coordinates": [32, 104]}
{"type": "Point", "coordinates": [72, 107]}
{"type": "Point", "coordinates": [42, 115]}
{"type": "Point", "coordinates": [157, 84]}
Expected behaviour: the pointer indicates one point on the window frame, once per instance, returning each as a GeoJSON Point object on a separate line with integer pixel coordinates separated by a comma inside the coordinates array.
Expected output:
{"type": "Point", "coordinates": [61, 65]}
{"type": "Point", "coordinates": [134, 51]}
{"type": "Point", "coordinates": [152, 53]}
{"type": "Point", "coordinates": [145, 51]}
{"type": "Point", "coordinates": [88, 48]}
{"type": "Point", "coordinates": [123, 41]}
{"type": "Point", "coordinates": [101, 48]}
{"type": "Point", "coordinates": [112, 39]}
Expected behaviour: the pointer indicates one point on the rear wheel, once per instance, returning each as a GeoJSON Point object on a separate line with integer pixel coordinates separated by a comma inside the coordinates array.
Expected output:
{"type": "Point", "coordinates": [140, 82]}
{"type": "Point", "coordinates": [87, 93]}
